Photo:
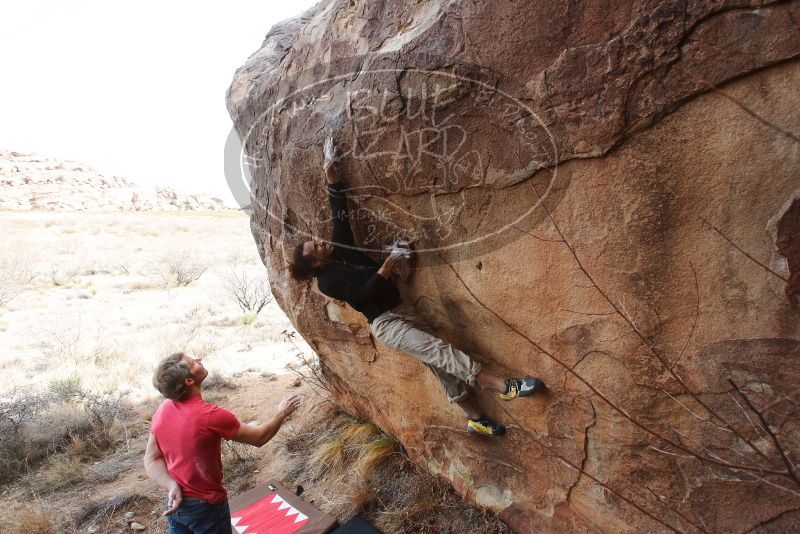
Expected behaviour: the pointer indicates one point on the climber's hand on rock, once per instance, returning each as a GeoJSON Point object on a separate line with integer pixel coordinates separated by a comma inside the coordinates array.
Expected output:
{"type": "Point", "coordinates": [331, 158]}
{"type": "Point", "coordinates": [391, 263]}
{"type": "Point", "coordinates": [397, 254]}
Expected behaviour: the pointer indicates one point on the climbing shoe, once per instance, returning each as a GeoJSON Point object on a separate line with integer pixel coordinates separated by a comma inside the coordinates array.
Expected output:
{"type": "Point", "coordinates": [484, 427]}
{"type": "Point", "coordinates": [521, 387]}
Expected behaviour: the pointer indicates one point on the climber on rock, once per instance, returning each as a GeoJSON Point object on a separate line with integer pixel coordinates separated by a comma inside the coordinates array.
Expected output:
{"type": "Point", "coordinates": [344, 273]}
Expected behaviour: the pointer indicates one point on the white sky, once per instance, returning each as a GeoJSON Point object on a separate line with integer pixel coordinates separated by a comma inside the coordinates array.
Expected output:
{"type": "Point", "coordinates": [134, 89]}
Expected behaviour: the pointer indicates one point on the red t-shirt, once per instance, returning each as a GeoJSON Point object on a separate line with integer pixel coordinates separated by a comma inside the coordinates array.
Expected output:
{"type": "Point", "coordinates": [188, 433]}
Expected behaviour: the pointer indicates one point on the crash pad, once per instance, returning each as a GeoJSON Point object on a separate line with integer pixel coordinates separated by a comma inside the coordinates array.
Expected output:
{"type": "Point", "coordinates": [272, 509]}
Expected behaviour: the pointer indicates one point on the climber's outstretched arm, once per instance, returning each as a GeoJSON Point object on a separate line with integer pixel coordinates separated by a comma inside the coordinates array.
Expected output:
{"type": "Point", "coordinates": [331, 158]}
{"type": "Point", "coordinates": [342, 237]}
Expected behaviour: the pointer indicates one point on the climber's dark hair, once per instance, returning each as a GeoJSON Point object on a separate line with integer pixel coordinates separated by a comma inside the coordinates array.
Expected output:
{"type": "Point", "coordinates": [300, 267]}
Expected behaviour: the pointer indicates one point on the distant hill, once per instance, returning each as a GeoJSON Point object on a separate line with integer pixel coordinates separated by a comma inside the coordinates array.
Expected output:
{"type": "Point", "coordinates": [36, 182]}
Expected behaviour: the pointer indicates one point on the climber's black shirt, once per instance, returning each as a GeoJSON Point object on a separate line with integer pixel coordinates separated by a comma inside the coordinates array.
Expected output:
{"type": "Point", "coordinates": [351, 276]}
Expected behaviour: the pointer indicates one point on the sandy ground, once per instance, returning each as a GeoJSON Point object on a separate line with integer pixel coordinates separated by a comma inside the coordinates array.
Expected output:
{"type": "Point", "coordinates": [101, 307]}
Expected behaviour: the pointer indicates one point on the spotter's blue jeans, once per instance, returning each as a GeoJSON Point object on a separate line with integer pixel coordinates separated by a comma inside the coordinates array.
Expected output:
{"type": "Point", "coordinates": [198, 516]}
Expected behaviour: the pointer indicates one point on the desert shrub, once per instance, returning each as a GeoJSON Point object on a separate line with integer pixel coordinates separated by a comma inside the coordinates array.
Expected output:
{"type": "Point", "coordinates": [179, 268]}
{"type": "Point", "coordinates": [63, 276]}
{"type": "Point", "coordinates": [203, 346]}
{"type": "Point", "coordinates": [105, 426]}
{"type": "Point", "coordinates": [140, 286]}
{"type": "Point", "coordinates": [409, 500]}
{"type": "Point", "coordinates": [16, 273]}
{"type": "Point", "coordinates": [250, 293]}
{"type": "Point", "coordinates": [188, 335]}
{"type": "Point", "coordinates": [62, 344]}
{"type": "Point", "coordinates": [66, 388]}
{"type": "Point", "coordinates": [67, 419]}
{"type": "Point", "coordinates": [105, 353]}
{"type": "Point", "coordinates": [17, 447]}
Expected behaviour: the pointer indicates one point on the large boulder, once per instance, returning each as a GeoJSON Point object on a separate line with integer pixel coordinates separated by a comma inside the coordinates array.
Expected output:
{"type": "Point", "coordinates": [604, 194]}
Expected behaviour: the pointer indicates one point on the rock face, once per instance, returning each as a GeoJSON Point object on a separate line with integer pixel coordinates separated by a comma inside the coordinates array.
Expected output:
{"type": "Point", "coordinates": [603, 194]}
{"type": "Point", "coordinates": [32, 181]}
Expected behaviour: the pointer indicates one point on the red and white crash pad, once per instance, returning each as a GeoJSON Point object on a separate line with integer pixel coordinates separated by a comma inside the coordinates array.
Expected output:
{"type": "Point", "coordinates": [272, 509]}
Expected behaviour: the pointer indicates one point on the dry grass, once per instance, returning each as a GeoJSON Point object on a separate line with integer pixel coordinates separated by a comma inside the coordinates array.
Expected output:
{"type": "Point", "coordinates": [347, 466]}
{"type": "Point", "coordinates": [361, 470]}
{"type": "Point", "coordinates": [100, 514]}
{"type": "Point", "coordinates": [357, 432]}
{"type": "Point", "coordinates": [239, 461]}
{"type": "Point", "coordinates": [140, 286]}
{"type": "Point", "coordinates": [64, 427]}
{"type": "Point", "coordinates": [372, 454]}
{"type": "Point", "coordinates": [32, 521]}
{"type": "Point", "coordinates": [409, 500]}
{"type": "Point", "coordinates": [217, 380]}
{"type": "Point", "coordinates": [328, 459]}
{"type": "Point", "coordinates": [59, 472]}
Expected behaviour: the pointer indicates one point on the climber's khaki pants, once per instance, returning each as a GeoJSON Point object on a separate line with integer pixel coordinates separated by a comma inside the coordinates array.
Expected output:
{"type": "Point", "coordinates": [400, 329]}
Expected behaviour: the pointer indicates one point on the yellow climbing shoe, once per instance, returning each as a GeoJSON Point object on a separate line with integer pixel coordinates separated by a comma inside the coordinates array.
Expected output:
{"type": "Point", "coordinates": [484, 427]}
{"type": "Point", "coordinates": [521, 387]}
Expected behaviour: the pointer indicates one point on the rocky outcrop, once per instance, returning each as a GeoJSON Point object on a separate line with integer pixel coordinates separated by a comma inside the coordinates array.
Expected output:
{"type": "Point", "coordinates": [32, 181]}
{"type": "Point", "coordinates": [602, 194]}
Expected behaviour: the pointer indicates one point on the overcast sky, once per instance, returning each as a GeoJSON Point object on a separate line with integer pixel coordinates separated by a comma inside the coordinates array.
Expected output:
{"type": "Point", "coordinates": [134, 89]}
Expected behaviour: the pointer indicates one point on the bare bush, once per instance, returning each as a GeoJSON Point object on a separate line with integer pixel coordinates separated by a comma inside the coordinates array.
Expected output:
{"type": "Point", "coordinates": [188, 335]}
{"type": "Point", "coordinates": [105, 426]}
{"type": "Point", "coordinates": [203, 346]}
{"type": "Point", "coordinates": [17, 446]}
{"type": "Point", "coordinates": [250, 293]}
{"type": "Point", "coordinates": [34, 426]}
{"type": "Point", "coordinates": [178, 269]}
{"type": "Point", "coordinates": [16, 273]}
{"type": "Point", "coordinates": [62, 342]}
{"type": "Point", "coordinates": [63, 276]}
{"type": "Point", "coordinates": [309, 367]}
